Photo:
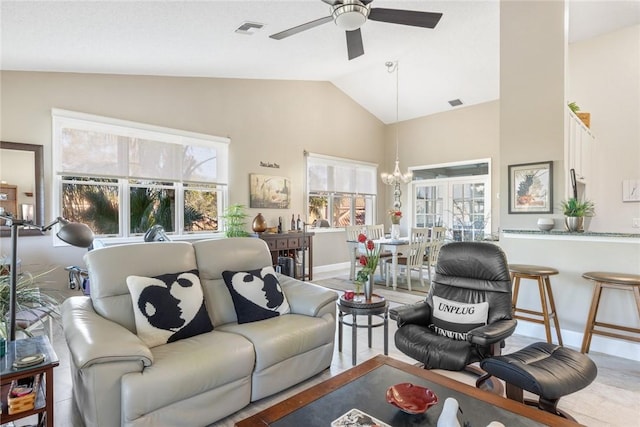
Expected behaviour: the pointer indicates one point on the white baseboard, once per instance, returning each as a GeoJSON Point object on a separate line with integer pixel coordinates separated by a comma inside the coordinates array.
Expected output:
{"type": "Point", "coordinates": [611, 346]}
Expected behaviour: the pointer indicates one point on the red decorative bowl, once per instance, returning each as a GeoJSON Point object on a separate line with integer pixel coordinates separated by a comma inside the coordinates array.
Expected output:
{"type": "Point", "coordinates": [411, 398]}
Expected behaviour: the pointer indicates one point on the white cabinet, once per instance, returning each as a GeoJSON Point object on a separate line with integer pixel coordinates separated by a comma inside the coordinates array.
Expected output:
{"type": "Point", "coordinates": [580, 143]}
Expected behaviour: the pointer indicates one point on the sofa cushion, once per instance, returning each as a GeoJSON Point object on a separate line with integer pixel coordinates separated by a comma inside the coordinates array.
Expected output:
{"type": "Point", "coordinates": [454, 319]}
{"type": "Point", "coordinates": [284, 337]}
{"type": "Point", "coordinates": [187, 369]}
{"type": "Point", "coordinates": [168, 307]}
{"type": "Point", "coordinates": [256, 294]}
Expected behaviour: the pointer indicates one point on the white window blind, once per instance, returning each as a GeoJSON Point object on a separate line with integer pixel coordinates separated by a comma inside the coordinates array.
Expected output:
{"type": "Point", "coordinates": [335, 175]}
{"type": "Point", "coordinates": [98, 146]}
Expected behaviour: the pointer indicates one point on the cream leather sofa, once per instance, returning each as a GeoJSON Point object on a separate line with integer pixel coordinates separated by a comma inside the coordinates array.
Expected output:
{"type": "Point", "coordinates": [119, 381]}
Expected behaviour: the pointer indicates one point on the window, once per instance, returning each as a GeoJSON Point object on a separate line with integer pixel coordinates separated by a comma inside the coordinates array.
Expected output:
{"type": "Point", "coordinates": [456, 196]}
{"type": "Point", "coordinates": [341, 191]}
{"type": "Point", "coordinates": [120, 178]}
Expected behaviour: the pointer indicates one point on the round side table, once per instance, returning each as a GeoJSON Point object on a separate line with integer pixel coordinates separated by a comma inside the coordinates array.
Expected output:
{"type": "Point", "coordinates": [377, 306]}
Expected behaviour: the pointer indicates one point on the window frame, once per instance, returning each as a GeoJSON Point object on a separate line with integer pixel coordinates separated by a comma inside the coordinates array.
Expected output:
{"type": "Point", "coordinates": [332, 192]}
{"type": "Point", "coordinates": [174, 138]}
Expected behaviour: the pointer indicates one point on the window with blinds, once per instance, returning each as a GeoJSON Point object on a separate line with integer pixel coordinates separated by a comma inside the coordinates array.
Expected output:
{"type": "Point", "coordinates": [340, 192]}
{"type": "Point", "coordinates": [121, 177]}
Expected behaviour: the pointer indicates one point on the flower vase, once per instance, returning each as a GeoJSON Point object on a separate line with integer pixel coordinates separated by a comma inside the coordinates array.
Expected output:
{"type": "Point", "coordinates": [368, 288]}
{"type": "Point", "coordinates": [395, 231]}
{"type": "Point", "coordinates": [358, 296]}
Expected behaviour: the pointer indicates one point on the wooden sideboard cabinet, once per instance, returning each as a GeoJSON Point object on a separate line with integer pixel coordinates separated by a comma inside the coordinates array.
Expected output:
{"type": "Point", "coordinates": [294, 245]}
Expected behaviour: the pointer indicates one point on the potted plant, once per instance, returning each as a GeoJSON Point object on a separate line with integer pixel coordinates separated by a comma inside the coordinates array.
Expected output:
{"type": "Point", "coordinates": [235, 216]}
{"type": "Point", "coordinates": [29, 296]}
{"type": "Point", "coordinates": [575, 211]}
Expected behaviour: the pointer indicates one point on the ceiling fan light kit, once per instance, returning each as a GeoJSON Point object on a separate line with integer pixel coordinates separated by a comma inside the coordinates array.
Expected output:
{"type": "Point", "coordinates": [350, 15]}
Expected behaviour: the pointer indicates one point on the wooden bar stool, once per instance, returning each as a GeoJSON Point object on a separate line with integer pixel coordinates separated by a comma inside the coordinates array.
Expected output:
{"type": "Point", "coordinates": [604, 280]}
{"type": "Point", "coordinates": [541, 275]}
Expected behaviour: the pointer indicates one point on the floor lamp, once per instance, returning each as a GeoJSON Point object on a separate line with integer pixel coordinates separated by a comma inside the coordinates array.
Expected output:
{"type": "Point", "coordinates": [73, 233]}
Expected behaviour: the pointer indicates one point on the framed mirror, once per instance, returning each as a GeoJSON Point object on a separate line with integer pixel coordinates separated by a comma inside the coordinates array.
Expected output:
{"type": "Point", "coordinates": [22, 184]}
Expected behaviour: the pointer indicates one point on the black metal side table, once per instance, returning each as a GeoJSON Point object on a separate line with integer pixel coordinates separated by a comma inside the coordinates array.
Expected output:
{"type": "Point", "coordinates": [377, 306]}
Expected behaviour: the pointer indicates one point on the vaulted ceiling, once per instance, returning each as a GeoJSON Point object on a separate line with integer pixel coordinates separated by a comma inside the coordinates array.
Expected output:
{"type": "Point", "coordinates": [458, 59]}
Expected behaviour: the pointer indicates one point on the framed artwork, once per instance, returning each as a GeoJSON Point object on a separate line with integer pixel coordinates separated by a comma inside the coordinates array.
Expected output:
{"type": "Point", "coordinates": [531, 188]}
{"type": "Point", "coordinates": [266, 191]}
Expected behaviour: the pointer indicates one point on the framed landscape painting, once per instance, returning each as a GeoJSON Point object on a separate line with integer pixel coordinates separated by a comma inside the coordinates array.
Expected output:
{"type": "Point", "coordinates": [266, 191]}
{"type": "Point", "coordinates": [531, 188]}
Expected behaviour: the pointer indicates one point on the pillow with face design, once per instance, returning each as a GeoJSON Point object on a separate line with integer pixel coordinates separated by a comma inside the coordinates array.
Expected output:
{"type": "Point", "coordinates": [168, 307]}
{"type": "Point", "coordinates": [256, 294]}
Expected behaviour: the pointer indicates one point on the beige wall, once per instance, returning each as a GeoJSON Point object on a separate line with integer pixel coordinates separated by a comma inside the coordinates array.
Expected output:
{"type": "Point", "coordinates": [604, 79]}
{"type": "Point", "coordinates": [532, 99]}
{"type": "Point", "coordinates": [465, 133]}
{"type": "Point", "coordinates": [269, 121]}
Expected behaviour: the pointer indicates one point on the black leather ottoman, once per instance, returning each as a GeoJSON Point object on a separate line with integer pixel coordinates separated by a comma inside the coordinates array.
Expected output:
{"type": "Point", "coordinates": [547, 370]}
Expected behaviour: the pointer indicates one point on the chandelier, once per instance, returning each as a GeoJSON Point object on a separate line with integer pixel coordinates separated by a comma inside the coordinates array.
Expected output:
{"type": "Point", "coordinates": [396, 178]}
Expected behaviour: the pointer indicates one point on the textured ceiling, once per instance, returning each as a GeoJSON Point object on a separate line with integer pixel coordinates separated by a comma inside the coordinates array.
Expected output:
{"type": "Point", "coordinates": [457, 59]}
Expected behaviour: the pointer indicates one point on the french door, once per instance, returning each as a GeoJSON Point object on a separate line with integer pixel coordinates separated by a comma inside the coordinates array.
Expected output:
{"type": "Point", "coordinates": [462, 205]}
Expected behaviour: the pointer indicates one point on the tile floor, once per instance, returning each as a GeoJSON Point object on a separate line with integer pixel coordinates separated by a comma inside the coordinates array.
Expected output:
{"type": "Point", "coordinates": [613, 399]}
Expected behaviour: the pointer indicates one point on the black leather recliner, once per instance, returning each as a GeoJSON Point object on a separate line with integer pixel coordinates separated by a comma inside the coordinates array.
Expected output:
{"type": "Point", "coordinates": [468, 273]}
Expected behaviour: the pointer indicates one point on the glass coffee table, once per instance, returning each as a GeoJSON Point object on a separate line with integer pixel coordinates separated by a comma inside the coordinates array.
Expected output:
{"type": "Point", "coordinates": [364, 387]}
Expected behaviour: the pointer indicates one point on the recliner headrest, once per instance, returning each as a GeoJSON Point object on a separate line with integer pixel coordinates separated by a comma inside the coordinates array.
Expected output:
{"type": "Point", "coordinates": [481, 266]}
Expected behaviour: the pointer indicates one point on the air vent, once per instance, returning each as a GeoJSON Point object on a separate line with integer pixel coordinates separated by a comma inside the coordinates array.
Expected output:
{"type": "Point", "coordinates": [455, 102]}
{"type": "Point", "coordinates": [249, 28]}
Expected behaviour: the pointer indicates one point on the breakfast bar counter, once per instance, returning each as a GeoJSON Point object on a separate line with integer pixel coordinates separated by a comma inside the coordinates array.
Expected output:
{"type": "Point", "coordinates": [573, 254]}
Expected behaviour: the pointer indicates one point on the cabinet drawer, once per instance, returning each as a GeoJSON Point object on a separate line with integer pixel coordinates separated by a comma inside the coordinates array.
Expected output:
{"type": "Point", "coordinates": [271, 244]}
{"type": "Point", "coordinates": [293, 242]}
{"type": "Point", "coordinates": [281, 244]}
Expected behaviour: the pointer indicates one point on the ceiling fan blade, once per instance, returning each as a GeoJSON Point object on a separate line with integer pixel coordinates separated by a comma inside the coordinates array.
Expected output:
{"type": "Point", "coordinates": [332, 2]}
{"type": "Point", "coordinates": [301, 28]}
{"type": "Point", "coordinates": [354, 43]}
{"type": "Point", "coordinates": [405, 17]}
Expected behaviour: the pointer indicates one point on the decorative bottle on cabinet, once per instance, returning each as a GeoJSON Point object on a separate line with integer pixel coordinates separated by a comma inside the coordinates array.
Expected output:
{"type": "Point", "coordinates": [293, 222]}
{"type": "Point", "coordinates": [299, 224]}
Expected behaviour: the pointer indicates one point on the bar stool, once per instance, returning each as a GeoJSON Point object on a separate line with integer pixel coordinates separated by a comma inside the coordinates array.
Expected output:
{"type": "Point", "coordinates": [541, 275]}
{"type": "Point", "coordinates": [604, 280]}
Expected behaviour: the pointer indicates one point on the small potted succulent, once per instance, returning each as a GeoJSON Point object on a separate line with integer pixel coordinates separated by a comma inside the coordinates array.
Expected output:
{"type": "Point", "coordinates": [575, 210]}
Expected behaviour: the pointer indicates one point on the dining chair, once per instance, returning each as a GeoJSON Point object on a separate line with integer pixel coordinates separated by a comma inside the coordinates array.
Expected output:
{"type": "Point", "coordinates": [436, 240]}
{"type": "Point", "coordinates": [377, 232]}
{"type": "Point", "coordinates": [352, 246]}
{"type": "Point", "coordinates": [413, 259]}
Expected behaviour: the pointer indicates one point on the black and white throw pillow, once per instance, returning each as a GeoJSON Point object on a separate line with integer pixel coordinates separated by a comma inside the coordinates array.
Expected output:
{"type": "Point", "coordinates": [256, 294]}
{"type": "Point", "coordinates": [169, 307]}
{"type": "Point", "coordinates": [454, 319]}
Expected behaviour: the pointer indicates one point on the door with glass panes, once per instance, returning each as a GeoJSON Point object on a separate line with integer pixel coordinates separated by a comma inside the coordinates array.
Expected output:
{"type": "Point", "coordinates": [459, 204]}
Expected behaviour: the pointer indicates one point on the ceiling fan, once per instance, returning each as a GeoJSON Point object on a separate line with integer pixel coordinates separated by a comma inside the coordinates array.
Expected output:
{"type": "Point", "coordinates": [350, 15]}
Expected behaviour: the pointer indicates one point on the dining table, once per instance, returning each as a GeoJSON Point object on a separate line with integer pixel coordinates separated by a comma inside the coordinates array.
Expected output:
{"type": "Point", "coordinates": [393, 245]}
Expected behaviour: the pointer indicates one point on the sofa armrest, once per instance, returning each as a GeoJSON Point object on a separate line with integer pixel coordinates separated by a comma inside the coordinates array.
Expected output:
{"type": "Point", "coordinates": [307, 298]}
{"type": "Point", "coordinates": [92, 339]}
{"type": "Point", "coordinates": [490, 334]}
{"type": "Point", "coordinates": [417, 314]}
